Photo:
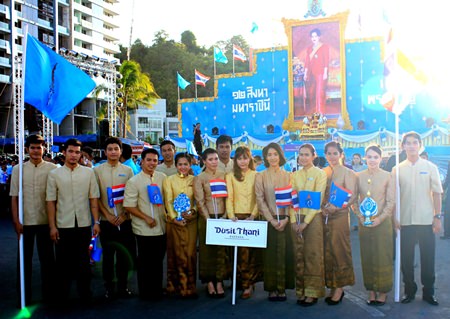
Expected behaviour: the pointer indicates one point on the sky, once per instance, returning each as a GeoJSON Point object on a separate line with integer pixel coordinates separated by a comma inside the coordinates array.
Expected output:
{"type": "Point", "coordinates": [416, 23]}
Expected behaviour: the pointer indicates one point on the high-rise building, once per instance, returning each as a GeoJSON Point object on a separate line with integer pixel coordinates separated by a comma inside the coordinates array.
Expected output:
{"type": "Point", "coordinates": [84, 26]}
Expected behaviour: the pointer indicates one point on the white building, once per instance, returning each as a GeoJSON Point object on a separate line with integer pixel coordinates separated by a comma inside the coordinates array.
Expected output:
{"type": "Point", "coordinates": [152, 122]}
{"type": "Point", "coordinates": [86, 26]}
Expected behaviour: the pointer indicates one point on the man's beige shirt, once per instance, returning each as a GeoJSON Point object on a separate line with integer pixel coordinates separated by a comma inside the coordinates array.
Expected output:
{"type": "Point", "coordinates": [109, 176]}
{"type": "Point", "coordinates": [34, 186]}
{"type": "Point", "coordinates": [136, 195]}
{"type": "Point", "coordinates": [418, 182]}
{"type": "Point", "coordinates": [163, 168]}
{"type": "Point", "coordinates": [228, 168]}
{"type": "Point", "coordinates": [72, 189]}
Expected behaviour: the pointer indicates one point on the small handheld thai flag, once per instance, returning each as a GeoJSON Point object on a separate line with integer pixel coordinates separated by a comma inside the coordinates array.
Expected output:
{"type": "Point", "coordinates": [283, 196]}
{"type": "Point", "coordinates": [238, 54]}
{"type": "Point", "coordinates": [154, 194]}
{"type": "Point", "coordinates": [115, 194]}
{"type": "Point", "coordinates": [218, 188]}
{"type": "Point", "coordinates": [295, 203]}
{"type": "Point", "coordinates": [201, 79]}
{"type": "Point", "coordinates": [339, 196]}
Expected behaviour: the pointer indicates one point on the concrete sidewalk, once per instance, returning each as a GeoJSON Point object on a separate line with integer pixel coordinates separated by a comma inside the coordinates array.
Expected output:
{"type": "Point", "coordinates": [353, 305]}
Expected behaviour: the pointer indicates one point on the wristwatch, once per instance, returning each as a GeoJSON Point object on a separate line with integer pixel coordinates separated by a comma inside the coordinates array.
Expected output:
{"type": "Point", "coordinates": [97, 222]}
{"type": "Point", "coordinates": [437, 216]}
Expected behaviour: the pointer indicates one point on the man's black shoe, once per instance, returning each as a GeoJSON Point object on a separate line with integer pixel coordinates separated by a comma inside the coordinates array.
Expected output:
{"type": "Point", "coordinates": [408, 298]}
{"type": "Point", "coordinates": [431, 300]}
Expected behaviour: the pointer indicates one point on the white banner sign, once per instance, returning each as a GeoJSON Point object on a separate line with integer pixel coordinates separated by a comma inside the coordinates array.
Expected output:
{"type": "Point", "coordinates": [240, 233]}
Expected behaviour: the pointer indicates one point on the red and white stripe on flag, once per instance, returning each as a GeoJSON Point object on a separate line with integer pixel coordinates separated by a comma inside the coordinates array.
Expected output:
{"type": "Point", "coordinates": [218, 188]}
{"type": "Point", "coordinates": [283, 196]}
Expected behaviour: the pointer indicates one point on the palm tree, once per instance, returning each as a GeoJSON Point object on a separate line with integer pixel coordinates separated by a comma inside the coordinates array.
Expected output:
{"type": "Point", "coordinates": [137, 90]}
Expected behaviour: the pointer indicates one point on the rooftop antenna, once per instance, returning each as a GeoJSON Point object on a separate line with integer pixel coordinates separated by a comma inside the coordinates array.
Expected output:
{"type": "Point", "coordinates": [131, 32]}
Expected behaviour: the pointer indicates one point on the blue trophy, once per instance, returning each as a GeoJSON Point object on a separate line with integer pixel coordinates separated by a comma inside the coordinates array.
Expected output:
{"type": "Point", "coordinates": [182, 204]}
{"type": "Point", "coordinates": [368, 209]}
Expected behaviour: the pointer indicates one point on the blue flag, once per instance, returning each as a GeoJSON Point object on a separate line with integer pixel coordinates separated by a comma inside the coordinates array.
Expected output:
{"type": "Point", "coordinates": [254, 27]}
{"type": "Point", "coordinates": [219, 56]}
{"type": "Point", "coordinates": [190, 148]}
{"type": "Point", "coordinates": [309, 199]}
{"type": "Point", "coordinates": [339, 196]}
{"type": "Point", "coordinates": [52, 84]}
{"type": "Point", "coordinates": [182, 83]}
{"type": "Point", "coordinates": [154, 194]}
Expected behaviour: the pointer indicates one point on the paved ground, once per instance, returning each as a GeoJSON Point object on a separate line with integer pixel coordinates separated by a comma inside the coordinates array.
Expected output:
{"type": "Point", "coordinates": [353, 305]}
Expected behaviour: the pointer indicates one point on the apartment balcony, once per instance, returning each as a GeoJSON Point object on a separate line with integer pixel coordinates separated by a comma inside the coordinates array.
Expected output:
{"type": "Point", "coordinates": [63, 30]}
{"type": "Point", "coordinates": [45, 24]}
{"type": "Point", "coordinates": [81, 8]}
{"type": "Point", "coordinates": [4, 78]}
{"type": "Point", "coordinates": [4, 9]}
{"type": "Point", "coordinates": [110, 34]}
{"type": "Point", "coordinates": [110, 20]}
{"type": "Point", "coordinates": [83, 37]}
{"type": "Point", "coordinates": [5, 27]}
{"type": "Point", "coordinates": [86, 24]}
{"type": "Point", "coordinates": [5, 45]}
{"type": "Point", "coordinates": [64, 2]}
{"type": "Point", "coordinates": [5, 62]}
{"type": "Point", "coordinates": [111, 46]}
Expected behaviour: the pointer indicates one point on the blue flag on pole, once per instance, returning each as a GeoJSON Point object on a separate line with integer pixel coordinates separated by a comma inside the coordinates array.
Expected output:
{"type": "Point", "coordinates": [52, 84]}
{"type": "Point", "coordinates": [182, 83]}
{"type": "Point", "coordinates": [190, 148]}
{"type": "Point", "coordinates": [219, 56]}
{"type": "Point", "coordinates": [339, 196]}
{"type": "Point", "coordinates": [309, 199]}
{"type": "Point", "coordinates": [154, 194]}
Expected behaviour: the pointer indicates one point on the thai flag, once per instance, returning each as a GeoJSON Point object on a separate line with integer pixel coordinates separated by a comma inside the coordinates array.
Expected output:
{"type": "Point", "coordinates": [295, 201]}
{"type": "Point", "coordinates": [283, 196]}
{"type": "Point", "coordinates": [238, 54]}
{"type": "Point", "coordinates": [201, 79]}
{"type": "Point", "coordinates": [115, 194]}
{"type": "Point", "coordinates": [218, 188]}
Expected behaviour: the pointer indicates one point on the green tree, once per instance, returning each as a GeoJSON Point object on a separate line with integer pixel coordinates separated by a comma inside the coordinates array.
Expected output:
{"type": "Point", "coordinates": [137, 90]}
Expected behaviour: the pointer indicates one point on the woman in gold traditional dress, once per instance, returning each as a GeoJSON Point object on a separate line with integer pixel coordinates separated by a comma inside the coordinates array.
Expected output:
{"type": "Point", "coordinates": [338, 252]}
{"type": "Point", "coordinates": [241, 205]}
{"type": "Point", "coordinates": [278, 256]}
{"type": "Point", "coordinates": [307, 230]}
{"type": "Point", "coordinates": [376, 239]}
{"type": "Point", "coordinates": [213, 260]}
{"type": "Point", "coordinates": [181, 231]}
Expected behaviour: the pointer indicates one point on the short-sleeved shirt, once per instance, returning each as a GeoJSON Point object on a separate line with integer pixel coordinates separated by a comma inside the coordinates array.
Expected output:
{"type": "Point", "coordinates": [163, 168]}
{"type": "Point", "coordinates": [34, 185]}
{"type": "Point", "coordinates": [418, 182]}
{"type": "Point", "coordinates": [136, 195]}
{"type": "Point", "coordinates": [72, 189]}
{"type": "Point", "coordinates": [115, 177]}
{"type": "Point", "coordinates": [226, 168]}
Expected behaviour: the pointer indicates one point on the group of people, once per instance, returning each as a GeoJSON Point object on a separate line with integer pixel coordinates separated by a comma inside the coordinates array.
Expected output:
{"type": "Point", "coordinates": [164, 208]}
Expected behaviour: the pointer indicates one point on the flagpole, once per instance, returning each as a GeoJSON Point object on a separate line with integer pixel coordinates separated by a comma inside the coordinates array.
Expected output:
{"type": "Point", "coordinates": [233, 61]}
{"type": "Point", "coordinates": [195, 84]}
{"type": "Point", "coordinates": [397, 210]}
{"type": "Point", "coordinates": [21, 155]}
{"type": "Point", "coordinates": [178, 86]}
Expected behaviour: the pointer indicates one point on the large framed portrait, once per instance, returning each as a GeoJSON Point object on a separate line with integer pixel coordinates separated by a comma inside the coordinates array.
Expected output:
{"type": "Point", "coordinates": [316, 56]}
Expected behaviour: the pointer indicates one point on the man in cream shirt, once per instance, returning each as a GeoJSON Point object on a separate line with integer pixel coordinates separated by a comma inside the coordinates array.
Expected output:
{"type": "Point", "coordinates": [72, 199]}
{"type": "Point", "coordinates": [224, 143]}
{"type": "Point", "coordinates": [148, 222]}
{"type": "Point", "coordinates": [168, 153]}
{"type": "Point", "coordinates": [420, 217]}
{"type": "Point", "coordinates": [34, 225]}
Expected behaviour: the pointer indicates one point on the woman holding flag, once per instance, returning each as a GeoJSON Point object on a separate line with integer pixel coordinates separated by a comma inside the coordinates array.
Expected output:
{"type": "Point", "coordinates": [273, 197]}
{"type": "Point", "coordinates": [210, 193]}
{"type": "Point", "coordinates": [340, 193]}
{"type": "Point", "coordinates": [377, 201]}
{"type": "Point", "coordinates": [241, 204]}
{"type": "Point", "coordinates": [181, 230]}
{"type": "Point", "coordinates": [308, 185]}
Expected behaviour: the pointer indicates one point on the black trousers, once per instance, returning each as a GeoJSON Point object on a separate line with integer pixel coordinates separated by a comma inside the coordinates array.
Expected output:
{"type": "Point", "coordinates": [41, 235]}
{"type": "Point", "coordinates": [424, 236]}
{"type": "Point", "coordinates": [120, 244]}
{"type": "Point", "coordinates": [72, 261]}
{"type": "Point", "coordinates": [150, 256]}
